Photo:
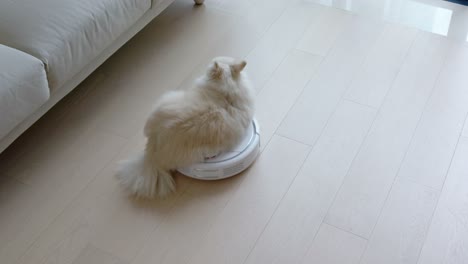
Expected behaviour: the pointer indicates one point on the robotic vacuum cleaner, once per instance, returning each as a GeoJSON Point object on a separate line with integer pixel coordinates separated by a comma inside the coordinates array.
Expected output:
{"type": "Point", "coordinates": [229, 163]}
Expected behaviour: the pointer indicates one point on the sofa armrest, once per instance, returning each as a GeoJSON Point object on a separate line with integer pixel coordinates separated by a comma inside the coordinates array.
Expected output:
{"type": "Point", "coordinates": [23, 87]}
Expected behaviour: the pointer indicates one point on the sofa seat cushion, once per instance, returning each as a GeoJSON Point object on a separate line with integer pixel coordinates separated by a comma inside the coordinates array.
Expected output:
{"type": "Point", "coordinates": [23, 87]}
{"type": "Point", "coordinates": [66, 34]}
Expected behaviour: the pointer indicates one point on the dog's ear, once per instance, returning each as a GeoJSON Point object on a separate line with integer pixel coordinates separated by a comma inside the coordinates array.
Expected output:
{"type": "Point", "coordinates": [238, 67]}
{"type": "Point", "coordinates": [216, 71]}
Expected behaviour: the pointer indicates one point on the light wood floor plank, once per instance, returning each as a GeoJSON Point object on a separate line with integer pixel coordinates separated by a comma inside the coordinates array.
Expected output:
{"type": "Point", "coordinates": [316, 104]}
{"type": "Point", "coordinates": [447, 239]}
{"type": "Point", "coordinates": [365, 188]}
{"type": "Point", "coordinates": [293, 226]}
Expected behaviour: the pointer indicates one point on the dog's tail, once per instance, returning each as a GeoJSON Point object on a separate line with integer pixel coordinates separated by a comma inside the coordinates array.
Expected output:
{"type": "Point", "coordinates": [142, 178]}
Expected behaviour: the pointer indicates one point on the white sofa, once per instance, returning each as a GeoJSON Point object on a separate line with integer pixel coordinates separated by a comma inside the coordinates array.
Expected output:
{"type": "Point", "coordinates": [47, 47]}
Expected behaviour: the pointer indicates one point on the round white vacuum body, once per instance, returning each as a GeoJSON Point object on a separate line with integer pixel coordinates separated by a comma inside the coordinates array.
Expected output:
{"type": "Point", "coordinates": [229, 163]}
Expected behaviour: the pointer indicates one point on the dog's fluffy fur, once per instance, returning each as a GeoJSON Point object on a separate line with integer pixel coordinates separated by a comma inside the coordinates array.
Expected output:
{"type": "Point", "coordinates": [189, 125]}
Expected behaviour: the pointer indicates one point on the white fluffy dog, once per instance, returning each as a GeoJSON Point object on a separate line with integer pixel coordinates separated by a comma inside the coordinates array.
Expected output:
{"type": "Point", "coordinates": [190, 125]}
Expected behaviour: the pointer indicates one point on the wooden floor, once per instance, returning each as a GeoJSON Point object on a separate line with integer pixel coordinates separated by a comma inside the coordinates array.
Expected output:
{"type": "Point", "coordinates": [364, 150]}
